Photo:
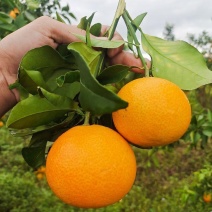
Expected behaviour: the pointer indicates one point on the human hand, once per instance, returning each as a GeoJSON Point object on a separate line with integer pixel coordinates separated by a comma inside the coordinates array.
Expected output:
{"type": "Point", "coordinates": [44, 31]}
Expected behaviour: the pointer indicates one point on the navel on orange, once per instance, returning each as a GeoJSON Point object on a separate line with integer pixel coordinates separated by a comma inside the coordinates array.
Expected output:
{"type": "Point", "coordinates": [158, 113]}
{"type": "Point", "coordinates": [90, 166]}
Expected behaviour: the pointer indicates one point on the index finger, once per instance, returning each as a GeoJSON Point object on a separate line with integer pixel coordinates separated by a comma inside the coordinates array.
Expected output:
{"type": "Point", "coordinates": [112, 52]}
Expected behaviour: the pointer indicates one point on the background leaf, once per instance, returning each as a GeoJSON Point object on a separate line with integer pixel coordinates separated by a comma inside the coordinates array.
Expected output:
{"type": "Point", "coordinates": [33, 4]}
{"type": "Point", "coordinates": [177, 61]}
{"type": "Point", "coordinates": [5, 18]}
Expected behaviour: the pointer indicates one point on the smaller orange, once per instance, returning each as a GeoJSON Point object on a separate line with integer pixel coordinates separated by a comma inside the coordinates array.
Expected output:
{"type": "Point", "coordinates": [158, 112]}
{"type": "Point", "coordinates": [207, 198]}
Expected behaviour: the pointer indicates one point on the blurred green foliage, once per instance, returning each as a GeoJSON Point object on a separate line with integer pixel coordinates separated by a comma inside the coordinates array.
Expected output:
{"type": "Point", "coordinates": [15, 13]}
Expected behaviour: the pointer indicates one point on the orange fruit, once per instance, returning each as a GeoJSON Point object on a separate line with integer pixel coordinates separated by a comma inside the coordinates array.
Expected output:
{"type": "Point", "coordinates": [90, 166]}
{"type": "Point", "coordinates": [158, 112]}
{"type": "Point", "coordinates": [1, 124]}
{"type": "Point", "coordinates": [40, 176]}
{"type": "Point", "coordinates": [13, 13]}
{"type": "Point", "coordinates": [207, 198]}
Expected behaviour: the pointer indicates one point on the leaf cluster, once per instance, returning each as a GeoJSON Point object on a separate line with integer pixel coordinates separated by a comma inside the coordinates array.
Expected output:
{"type": "Point", "coordinates": [200, 129]}
{"type": "Point", "coordinates": [57, 87]}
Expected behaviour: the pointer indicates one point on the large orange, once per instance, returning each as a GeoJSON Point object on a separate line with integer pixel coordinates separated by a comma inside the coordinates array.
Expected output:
{"type": "Point", "coordinates": [90, 166]}
{"type": "Point", "coordinates": [158, 113]}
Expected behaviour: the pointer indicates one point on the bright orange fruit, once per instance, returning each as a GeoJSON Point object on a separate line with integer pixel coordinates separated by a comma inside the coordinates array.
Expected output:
{"type": "Point", "coordinates": [90, 166]}
{"type": "Point", "coordinates": [158, 113]}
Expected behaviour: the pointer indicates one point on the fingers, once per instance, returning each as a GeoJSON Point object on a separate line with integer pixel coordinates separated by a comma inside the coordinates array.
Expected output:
{"type": "Point", "coordinates": [112, 52]}
{"type": "Point", "coordinates": [58, 31]}
{"type": "Point", "coordinates": [64, 33]}
{"type": "Point", "coordinates": [128, 59]}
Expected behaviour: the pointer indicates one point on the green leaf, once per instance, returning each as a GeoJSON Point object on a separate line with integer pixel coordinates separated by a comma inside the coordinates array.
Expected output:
{"type": "Point", "coordinates": [54, 128]}
{"type": "Point", "coordinates": [177, 61]}
{"type": "Point", "coordinates": [137, 21]}
{"type": "Point", "coordinates": [23, 93]}
{"type": "Point", "coordinates": [135, 25]}
{"type": "Point", "coordinates": [31, 79]}
{"type": "Point", "coordinates": [97, 42]}
{"type": "Point", "coordinates": [85, 22]}
{"type": "Point", "coordinates": [59, 17]}
{"type": "Point", "coordinates": [45, 59]}
{"type": "Point", "coordinates": [90, 19]}
{"type": "Point", "coordinates": [96, 29]}
{"type": "Point", "coordinates": [35, 111]}
{"type": "Point", "coordinates": [87, 35]}
{"type": "Point", "coordinates": [101, 102]}
{"type": "Point", "coordinates": [33, 4]}
{"type": "Point", "coordinates": [57, 100]}
{"type": "Point", "coordinates": [93, 96]}
{"type": "Point", "coordinates": [207, 131]}
{"type": "Point", "coordinates": [69, 90]}
{"type": "Point", "coordinates": [20, 21]}
{"type": "Point", "coordinates": [113, 74]}
{"type": "Point", "coordinates": [89, 55]}
{"type": "Point", "coordinates": [29, 15]}
{"type": "Point", "coordinates": [11, 3]}
{"type": "Point", "coordinates": [8, 27]}
{"type": "Point", "coordinates": [5, 18]}
{"type": "Point", "coordinates": [69, 77]}
{"type": "Point", "coordinates": [34, 155]}
{"type": "Point", "coordinates": [52, 80]}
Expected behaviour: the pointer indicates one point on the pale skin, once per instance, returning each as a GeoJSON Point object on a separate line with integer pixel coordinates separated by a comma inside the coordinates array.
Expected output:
{"type": "Point", "coordinates": [43, 31]}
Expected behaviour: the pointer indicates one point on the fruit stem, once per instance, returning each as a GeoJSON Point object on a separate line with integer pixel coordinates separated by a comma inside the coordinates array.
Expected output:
{"type": "Point", "coordinates": [127, 19]}
{"type": "Point", "coordinates": [87, 118]}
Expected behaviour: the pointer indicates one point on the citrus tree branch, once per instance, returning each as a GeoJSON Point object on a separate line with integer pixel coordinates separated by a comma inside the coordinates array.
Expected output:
{"type": "Point", "coordinates": [130, 28]}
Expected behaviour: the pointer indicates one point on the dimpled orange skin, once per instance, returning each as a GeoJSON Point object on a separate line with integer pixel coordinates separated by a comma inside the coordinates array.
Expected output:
{"type": "Point", "coordinates": [90, 166]}
{"type": "Point", "coordinates": [158, 112]}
